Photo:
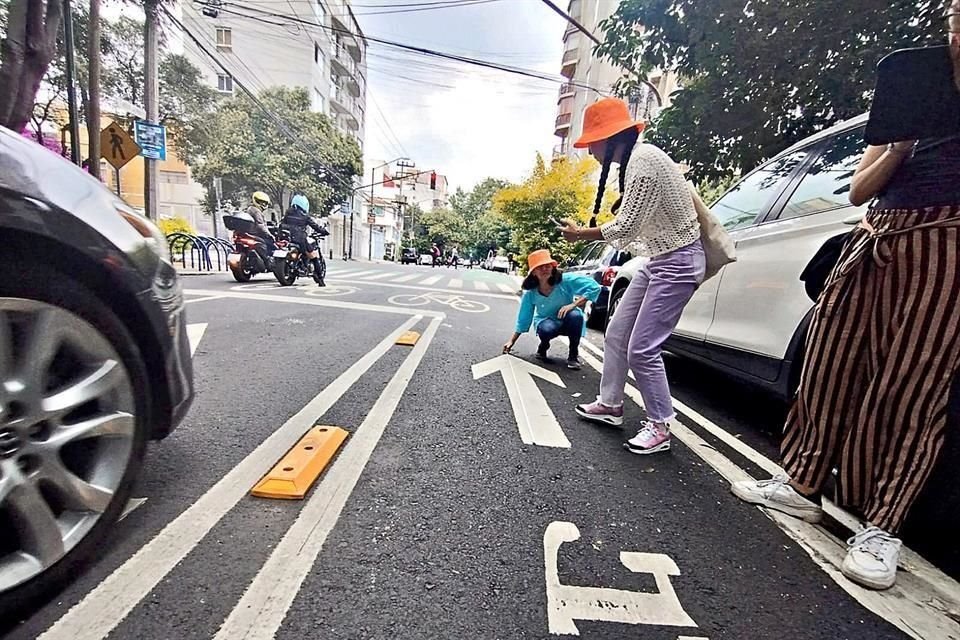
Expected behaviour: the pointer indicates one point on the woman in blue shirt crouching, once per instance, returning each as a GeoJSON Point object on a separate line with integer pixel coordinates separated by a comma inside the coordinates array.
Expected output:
{"type": "Point", "coordinates": [553, 303]}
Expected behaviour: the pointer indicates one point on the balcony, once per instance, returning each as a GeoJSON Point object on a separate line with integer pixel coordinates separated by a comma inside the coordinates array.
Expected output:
{"type": "Point", "coordinates": [345, 108]}
{"type": "Point", "coordinates": [563, 124]}
{"type": "Point", "coordinates": [342, 59]}
{"type": "Point", "coordinates": [567, 90]}
{"type": "Point", "coordinates": [574, 9]}
{"type": "Point", "coordinates": [569, 65]}
{"type": "Point", "coordinates": [560, 151]}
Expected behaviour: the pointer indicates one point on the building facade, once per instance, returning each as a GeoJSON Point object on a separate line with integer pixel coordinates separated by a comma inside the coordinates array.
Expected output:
{"type": "Point", "coordinates": [592, 78]}
{"type": "Point", "coordinates": [314, 44]}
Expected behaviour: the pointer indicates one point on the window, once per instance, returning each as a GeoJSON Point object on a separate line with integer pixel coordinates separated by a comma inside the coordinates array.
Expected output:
{"type": "Point", "coordinates": [224, 38]}
{"type": "Point", "coordinates": [318, 56]}
{"type": "Point", "coordinates": [317, 100]}
{"type": "Point", "coordinates": [320, 11]}
{"type": "Point", "coordinates": [741, 206]}
{"type": "Point", "coordinates": [826, 184]}
{"type": "Point", "coordinates": [224, 83]}
{"type": "Point", "coordinates": [174, 177]}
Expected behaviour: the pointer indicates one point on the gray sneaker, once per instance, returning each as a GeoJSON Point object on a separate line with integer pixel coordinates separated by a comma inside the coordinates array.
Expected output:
{"type": "Point", "coordinates": [574, 364]}
{"type": "Point", "coordinates": [776, 493]}
{"type": "Point", "coordinates": [872, 558]}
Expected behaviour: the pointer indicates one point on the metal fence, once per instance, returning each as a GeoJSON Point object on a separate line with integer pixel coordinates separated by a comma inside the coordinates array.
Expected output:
{"type": "Point", "coordinates": [201, 253]}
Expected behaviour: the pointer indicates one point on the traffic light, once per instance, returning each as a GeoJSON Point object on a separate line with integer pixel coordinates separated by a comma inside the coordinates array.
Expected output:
{"type": "Point", "coordinates": [433, 180]}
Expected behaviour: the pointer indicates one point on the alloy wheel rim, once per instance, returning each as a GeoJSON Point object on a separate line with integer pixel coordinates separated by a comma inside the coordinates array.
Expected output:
{"type": "Point", "coordinates": [67, 428]}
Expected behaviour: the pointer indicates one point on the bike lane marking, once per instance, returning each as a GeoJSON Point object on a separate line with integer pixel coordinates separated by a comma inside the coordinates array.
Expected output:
{"type": "Point", "coordinates": [406, 278]}
{"type": "Point", "coordinates": [103, 608]}
{"type": "Point", "coordinates": [336, 304]}
{"type": "Point", "coordinates": [431, 280]}
{"type": "Point", "coordinates": [264, 605]}
{"type": "Point", "coordinates": [452, 300]}
{"type": "Point", "coordinates": [455, 284]}
{"type": "Point", "coordinates": [480, 286]}
{"type": "Point", "coordinates": [925, 607]}
{"type": "Point", "coordinates": [413, 287]}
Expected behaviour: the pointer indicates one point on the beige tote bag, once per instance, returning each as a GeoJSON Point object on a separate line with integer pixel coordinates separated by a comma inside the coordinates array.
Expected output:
{"type": "Point", "coordinates": [717, 244]}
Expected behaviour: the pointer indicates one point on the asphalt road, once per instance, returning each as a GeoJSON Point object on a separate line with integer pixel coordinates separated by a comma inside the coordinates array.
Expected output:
{"type": "Point", "coordinates": [437, 520]}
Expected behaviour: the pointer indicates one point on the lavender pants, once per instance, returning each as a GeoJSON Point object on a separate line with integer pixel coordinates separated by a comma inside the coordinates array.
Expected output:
{"type": "Point", "coordinates": [645, 318]}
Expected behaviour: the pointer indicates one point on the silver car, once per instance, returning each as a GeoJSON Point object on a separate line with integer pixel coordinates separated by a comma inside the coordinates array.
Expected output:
{"type": "Point", "coordinates": [751, 319]}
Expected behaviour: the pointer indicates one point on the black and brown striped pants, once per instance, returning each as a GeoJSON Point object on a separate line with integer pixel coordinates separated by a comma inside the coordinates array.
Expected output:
{"type": "Point", "coordinates": [881, 354]}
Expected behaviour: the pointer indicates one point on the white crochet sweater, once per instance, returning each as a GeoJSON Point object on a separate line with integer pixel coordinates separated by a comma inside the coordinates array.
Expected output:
{"type": "Point", "coordinates": [657, 213]}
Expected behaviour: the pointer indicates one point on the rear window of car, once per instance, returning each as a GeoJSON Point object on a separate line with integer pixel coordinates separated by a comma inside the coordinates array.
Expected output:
{"type": "Point", "coordinates": [826, 184]}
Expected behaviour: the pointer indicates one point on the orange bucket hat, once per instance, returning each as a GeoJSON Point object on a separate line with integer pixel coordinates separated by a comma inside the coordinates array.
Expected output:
{"type": "Point", "coordinates": [539, 258]}
{"type": "Point", "coordinates": [604, 119]}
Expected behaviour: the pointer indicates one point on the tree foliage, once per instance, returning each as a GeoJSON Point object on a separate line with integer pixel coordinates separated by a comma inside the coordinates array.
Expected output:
{"type": "Point", "coordinates": [485, 229]}
{"type": "Point", "coordinates": [250, 151]}
{"type": "Point", "coordinates": [759, 75]}
{"type": "Point", "coordinates": [564, 190]}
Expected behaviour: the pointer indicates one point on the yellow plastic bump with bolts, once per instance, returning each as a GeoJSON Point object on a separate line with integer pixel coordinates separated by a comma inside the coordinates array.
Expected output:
{"type": "Point", "coordinates": [296, 472]}
{"type": "Point", "coordinates": [408, 339]}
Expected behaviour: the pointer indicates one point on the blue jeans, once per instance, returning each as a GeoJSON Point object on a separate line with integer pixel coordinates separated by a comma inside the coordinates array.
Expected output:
{"type": "Point", "coordinates": [570, 326]}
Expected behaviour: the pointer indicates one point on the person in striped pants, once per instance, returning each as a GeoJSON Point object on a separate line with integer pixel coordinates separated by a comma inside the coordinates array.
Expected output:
{"type": "Point", "coordinates": [882, 352]}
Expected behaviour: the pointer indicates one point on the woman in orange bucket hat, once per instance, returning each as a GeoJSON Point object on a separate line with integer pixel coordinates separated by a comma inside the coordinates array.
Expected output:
{"type": "Point", "coordinates": [656, 213]}
{"type": "Point", "coordinates": [553, 304]}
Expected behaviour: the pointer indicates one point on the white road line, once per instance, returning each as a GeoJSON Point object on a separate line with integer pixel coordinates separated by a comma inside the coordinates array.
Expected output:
{"type": "Point", "coordinates": [346, 272]}
{"type": "Point", "coordinates": [918, 605]}
{"type": "Point", "coordinates": [108, 604]}
{"type": "Point", "coordinates": [416, 287]}
{"type": "Point", "coordinates": [195, 334]}
{"type": "Point", "coordinates": [203, 299]}
{"type": "Point", "coordinates": [378, 276]}
{"type": "Point", "coordinates": [506, 288]}
{"type": "Point", "coordinates": [263, 607]}
{"type": "Point", "coordinates": [455, 284]}
{"type": "Point", "coordinates": [431, 280]}
{"type": "Point", "coordinates": [406, 278]}
{"type": "Point", "coordinates": [337, 304]}
{"type": "Point", "coordinates": [481, 286]}
{"type": "Point", "coordinates": [360, 274]}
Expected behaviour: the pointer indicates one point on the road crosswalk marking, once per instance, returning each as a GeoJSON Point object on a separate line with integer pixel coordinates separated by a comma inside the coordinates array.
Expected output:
{"type": "Point", "coordinates": [481, 286]}
{"type": "Point", "coordinates": [505, 288]}
{"type": "Point", "coordinates": [432, 280]}
{"type": "Point", "coordinates": [456, 284]}
{"type": "Point", "coordinates": [406, 278]}
{"type": "Point", "coordinates": [359, 274]}
{"type": "Point", "coordinates": [378, 276]}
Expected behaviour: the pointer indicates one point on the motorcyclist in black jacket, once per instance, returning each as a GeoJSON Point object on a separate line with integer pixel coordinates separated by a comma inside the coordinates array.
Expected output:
{"type": "Point", "coordinates": [295, 221]}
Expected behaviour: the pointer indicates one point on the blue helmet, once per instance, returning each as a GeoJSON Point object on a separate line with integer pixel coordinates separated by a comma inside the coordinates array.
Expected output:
{"type": "Point", "coordinates": [301, 201]}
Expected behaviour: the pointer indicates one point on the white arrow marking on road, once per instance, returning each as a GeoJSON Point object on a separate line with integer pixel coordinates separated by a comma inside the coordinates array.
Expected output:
{"type": "Point", "coordinates": [194, 334]}
{"type": "Point", "coordinates": [568, 603]}
{"type": "Point", "coordinates": [535, 420]}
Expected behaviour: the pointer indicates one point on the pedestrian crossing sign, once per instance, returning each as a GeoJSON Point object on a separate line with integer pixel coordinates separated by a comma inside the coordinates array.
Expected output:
{"type": "Point", "coordinates": [117, 146]}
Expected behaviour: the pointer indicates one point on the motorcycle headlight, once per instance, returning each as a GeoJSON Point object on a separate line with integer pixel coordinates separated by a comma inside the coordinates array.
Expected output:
{"type": "Point", "coordinates": [150, 232]}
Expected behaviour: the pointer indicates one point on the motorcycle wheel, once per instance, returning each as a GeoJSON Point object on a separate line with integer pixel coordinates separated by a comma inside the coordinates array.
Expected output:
{"type": "Point", "coordinates": [240, 275]}
{"type": "Point", "coordinates": [285, 272]}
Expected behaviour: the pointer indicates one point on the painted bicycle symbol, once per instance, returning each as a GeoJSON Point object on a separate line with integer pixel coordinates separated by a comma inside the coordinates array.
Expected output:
{"type": "Point", "coordinates": [328, 291]}
{"type": "Point", "coordinates": [452, 300]}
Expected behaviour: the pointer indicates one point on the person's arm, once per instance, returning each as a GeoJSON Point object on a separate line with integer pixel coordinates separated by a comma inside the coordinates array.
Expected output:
{"type": "Point", "coordinates": [508, 346]}
{"type": "Point", "coordinates": [524, 320]}
{"type": "Point", "coordinates": [583, 289]}
{"type": "Point", "coordinates": [876, 168]}
{"type": "Point", "coordinates": [261, 223]}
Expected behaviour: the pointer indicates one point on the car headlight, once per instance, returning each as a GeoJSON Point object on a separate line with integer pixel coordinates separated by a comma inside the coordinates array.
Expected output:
{"type": "Point", "coordinates": [150, 232]}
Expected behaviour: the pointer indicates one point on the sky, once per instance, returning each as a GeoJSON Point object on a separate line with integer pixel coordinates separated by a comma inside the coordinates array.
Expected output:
{"type": "Point", "coordinates": [466, 122]}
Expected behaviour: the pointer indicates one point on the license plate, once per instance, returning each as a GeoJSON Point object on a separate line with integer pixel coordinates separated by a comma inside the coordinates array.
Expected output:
{"type": "Point", "coordinates": [280, 254]}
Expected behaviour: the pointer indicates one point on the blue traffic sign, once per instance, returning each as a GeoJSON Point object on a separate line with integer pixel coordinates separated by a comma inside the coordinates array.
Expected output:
{"type": "Point", "coordinates": [152, 139]}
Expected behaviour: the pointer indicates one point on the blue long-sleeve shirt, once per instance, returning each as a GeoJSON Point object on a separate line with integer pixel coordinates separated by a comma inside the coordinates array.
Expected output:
{"type": "Point", "coordinates": [536, 307]}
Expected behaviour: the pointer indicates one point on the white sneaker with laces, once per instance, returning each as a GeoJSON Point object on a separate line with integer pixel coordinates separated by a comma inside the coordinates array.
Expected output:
{"type": "Point", "coordinates": [872, 558]}
{"type": "Point", "coordinates": [776, 493]}
{"type": "Point", "coordinates": [651, 438]}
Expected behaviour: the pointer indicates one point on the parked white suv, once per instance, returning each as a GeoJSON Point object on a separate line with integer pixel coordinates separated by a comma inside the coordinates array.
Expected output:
{"type": "Point", "coordinates": [751, 319]}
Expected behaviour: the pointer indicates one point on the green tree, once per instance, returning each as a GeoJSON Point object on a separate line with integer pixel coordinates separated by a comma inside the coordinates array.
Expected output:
{"type": "Point", "coordinates": [443, 226]}
{"type": "Point", "coordinates": [484, 228]}
{"type": "Point", "coordinates": [759, 75]}
{"type": "Point", "coordinates": [251, 150]}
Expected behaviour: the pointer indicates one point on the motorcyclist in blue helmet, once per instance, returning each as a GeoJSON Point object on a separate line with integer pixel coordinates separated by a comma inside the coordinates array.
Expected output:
{"type": "Point", "coordinates": [295, 221]}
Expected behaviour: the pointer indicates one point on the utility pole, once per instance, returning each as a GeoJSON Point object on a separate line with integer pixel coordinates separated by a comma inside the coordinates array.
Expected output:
{"type": "Point", "coordinates": [93, 102]}
{"type": "Point", "coordinates": [373, 178]}
{"type": "Point", "coordinates": [151, 92]}
{"type": "Point", "coordinates": [71, 83]}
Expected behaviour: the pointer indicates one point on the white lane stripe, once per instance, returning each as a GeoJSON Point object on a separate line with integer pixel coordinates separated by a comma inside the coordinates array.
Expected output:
{"type": "Point", "coordinates": [337, 304]}
{"type": "Point", "coordinates": [195, 333]}
{"type": "Point", "coordinates": [481, 286]}
{"type": "Point", "coordinates": [417, 287]}
{"type": "Point", "coordinates": [263, 607]}
{"type": "Point", "coordinates": [340, 274]}
{"type": "Point", "coordinates": [406, 278]}
{"type": "Point", "coordinates": [506, 288]}
{"type": "Point", "coordinates": [378, 276]}
{"type": "Point", "coordinates": [431, 280]}
{"type": "Point", "coordinates": [203, 299]}
{"type": "Point", "coordinates": [361, 274]}
{"type": "Point", "coordinates": [909, 605]}
{"type": "Point", "coordinates": [455, 284]}
{"type": "Point", "coordinates": [109, 603]}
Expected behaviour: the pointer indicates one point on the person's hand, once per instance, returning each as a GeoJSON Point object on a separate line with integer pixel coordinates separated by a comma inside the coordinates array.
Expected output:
{"type": "Point", "coordinates": [564, 310]}
{"type": "Point", "coordinates": [569, 229]}
{"type": "Point", "coordinates": [508, 346]}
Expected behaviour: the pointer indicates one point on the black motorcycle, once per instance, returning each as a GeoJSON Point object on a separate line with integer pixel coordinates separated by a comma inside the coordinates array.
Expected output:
{"type": "Point", "coordinates": [290, 260]}
{"type": "Point", "coordinates": [251, 253]}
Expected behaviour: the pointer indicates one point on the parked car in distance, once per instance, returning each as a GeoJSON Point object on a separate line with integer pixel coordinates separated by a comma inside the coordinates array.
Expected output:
{"type": "Point", "coordinates": [501, 264]}
{"type": "Point", "coordinates": [94, 362]}
{"type": "Point", "coordinates": [408, 256]}
{"type": "Point", "coordinates": [425, 258]}
{"type": "Point", "coordinates": [750, 320]}
{"type": "Point", "coordinates": [601, 261]}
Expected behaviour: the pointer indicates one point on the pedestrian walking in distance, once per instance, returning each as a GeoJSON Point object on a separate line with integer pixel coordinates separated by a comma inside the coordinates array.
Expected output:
{"type": "Point", "coordinates": [882, 351]}
{"type": "Point", "coordinates": [553, 304]}
{"type": "Point", "coordinates": [655, 212]}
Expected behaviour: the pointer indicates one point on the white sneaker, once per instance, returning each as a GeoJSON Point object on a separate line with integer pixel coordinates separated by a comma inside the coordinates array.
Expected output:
{"type": "Point", "coordinates": [777, 494]}
{"type": "Point", "coordinates": [651, 438]}
{"type": "Point", "coordinates": [872, 558]}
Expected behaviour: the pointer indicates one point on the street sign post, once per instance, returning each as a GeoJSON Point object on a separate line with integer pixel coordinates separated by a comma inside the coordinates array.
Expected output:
{"type": "Point", "coordinates": [152, 139]}
{"type": "Point", "coordinates": [116, 145]}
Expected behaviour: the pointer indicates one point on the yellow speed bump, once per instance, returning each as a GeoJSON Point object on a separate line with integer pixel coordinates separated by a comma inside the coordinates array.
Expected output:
{"type": "Point", "coordinates": [408, 339]}
{"type": "Point", "coordinates": [299, 468]}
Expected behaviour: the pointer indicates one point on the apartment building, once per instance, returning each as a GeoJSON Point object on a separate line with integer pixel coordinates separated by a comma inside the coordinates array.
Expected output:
{"type": "Point", "coordinates": [592, 78]}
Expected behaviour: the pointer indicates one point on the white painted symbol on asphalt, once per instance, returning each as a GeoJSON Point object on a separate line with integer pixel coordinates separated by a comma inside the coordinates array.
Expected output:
{"type": "Point", "coordinates": [194, 334]}
{"type": "Point", "coordinates": [452, 300]}
{"type": "Point", "coordinates": [568, 603]}
{"type": "Point", "coordinates": [535, 420]}
{"type": "Point", "coordinates": [328, 291]}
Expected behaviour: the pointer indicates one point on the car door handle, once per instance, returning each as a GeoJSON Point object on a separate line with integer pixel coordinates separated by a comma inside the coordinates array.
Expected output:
{"type": "Point", "coordinates": [854, 219]}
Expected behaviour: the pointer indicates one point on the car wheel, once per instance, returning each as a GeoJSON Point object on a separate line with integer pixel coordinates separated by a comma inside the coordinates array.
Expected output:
{"type": "Point", "coordinates": [74, 407]}
{"type": "Point", "coordinates": [615, 299]}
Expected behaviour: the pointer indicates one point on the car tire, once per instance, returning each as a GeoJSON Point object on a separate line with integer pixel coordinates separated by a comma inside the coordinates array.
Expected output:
{"type": "Point", "coordinates": [597, 320]}
{"type": "Point", "coordinates": [615, 298]}
{"type": "Point", "coordinates": [26, 282]}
